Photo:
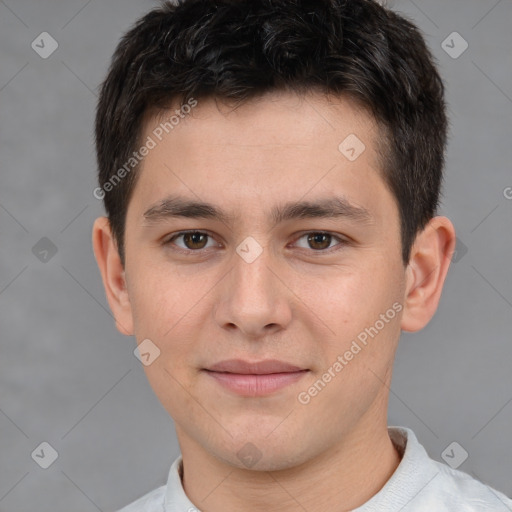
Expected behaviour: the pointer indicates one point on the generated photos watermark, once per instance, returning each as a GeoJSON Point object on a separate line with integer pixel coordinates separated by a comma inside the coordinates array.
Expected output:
{"type": "Point", "coordinates": [158, 133]}
{"type": "Point", "coordinates": [304, 397]}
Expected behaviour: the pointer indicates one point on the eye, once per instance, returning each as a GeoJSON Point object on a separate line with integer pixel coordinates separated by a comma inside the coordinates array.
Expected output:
{"type": "Point", "coordinates": [320, 240]}
{"type": "Point", "coordinates": [192, 240]}
{"type": "Point", "coordinates": [196, 241]}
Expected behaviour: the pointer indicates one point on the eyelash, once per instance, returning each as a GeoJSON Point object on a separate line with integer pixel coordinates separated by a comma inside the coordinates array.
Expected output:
{"type": "Point", "coordinates": [342, 242]}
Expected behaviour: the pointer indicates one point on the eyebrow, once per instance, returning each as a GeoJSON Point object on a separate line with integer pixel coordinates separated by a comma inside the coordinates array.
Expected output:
{"type": "Point", "coordinates": [176, 207]}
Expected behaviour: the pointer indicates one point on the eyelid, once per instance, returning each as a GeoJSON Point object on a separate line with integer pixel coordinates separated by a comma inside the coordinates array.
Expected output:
{"type": "Point", "coordinates": [342, 241]}
{"type": "Point", "coordinates": [169, 240]}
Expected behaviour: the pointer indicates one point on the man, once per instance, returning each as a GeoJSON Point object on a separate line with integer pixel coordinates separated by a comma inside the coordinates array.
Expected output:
{"type": "Point", "coordinates": [271, 174]}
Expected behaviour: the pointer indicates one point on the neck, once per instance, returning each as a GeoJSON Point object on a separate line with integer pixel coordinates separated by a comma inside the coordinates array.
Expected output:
{"type": "Point", "coordinates": [341, 478]}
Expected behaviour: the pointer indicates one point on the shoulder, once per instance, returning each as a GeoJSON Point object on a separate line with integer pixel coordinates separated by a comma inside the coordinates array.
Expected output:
{"type": "Point", "coordinates": [153, 501]}
{"type": "Point", "coordinates": [455, 490]}
{"type": "Point", "coordinates": [422, 484]}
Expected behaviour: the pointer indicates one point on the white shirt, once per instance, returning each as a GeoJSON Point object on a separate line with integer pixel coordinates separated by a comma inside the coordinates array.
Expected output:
{"type": "Point", "coordinates": [419, 484]}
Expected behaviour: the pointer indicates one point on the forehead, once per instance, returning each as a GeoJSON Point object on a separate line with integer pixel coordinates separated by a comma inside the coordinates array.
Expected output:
{"type": "Point", "coordinates": [307, 117]}
{"type": "Point", "coordinates": [270, 149]}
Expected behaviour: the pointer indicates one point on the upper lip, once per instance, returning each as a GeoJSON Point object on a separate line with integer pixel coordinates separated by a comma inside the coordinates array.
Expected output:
{"type": "Point", "coordinates": [254, 368]}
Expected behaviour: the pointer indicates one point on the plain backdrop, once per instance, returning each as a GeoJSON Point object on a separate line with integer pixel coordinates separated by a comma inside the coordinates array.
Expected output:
{"type": "Point", "coordinates": [68, 378]}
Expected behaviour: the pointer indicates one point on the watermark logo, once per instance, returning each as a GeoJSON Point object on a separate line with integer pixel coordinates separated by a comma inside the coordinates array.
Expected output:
{"type": "Point", "coordinates": [460, 251]}
{"type": "Point", "coordinates": [44, 250]}
{"type": "Point", "coordinates": [454, 455]}
{"type": "Point", "coordinates": [249, 455]}
{"type": "Point", "coordinates": [44, 455]}
{"type": "Point", "coordinates": [146, 352]}
{"type": "Point", "coordinates": [454, 45]}
{"type": "Point", "coordinates": [352, 147]}
{"type": "Point", "coordinates": [44, 45]}
{"type": "Point", "coordinates": [249, 249]}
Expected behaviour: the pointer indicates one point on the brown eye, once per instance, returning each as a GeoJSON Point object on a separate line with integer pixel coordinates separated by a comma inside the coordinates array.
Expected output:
{"type": "Point", "coordinates": [319, 241]}
{"type": "Point", "coordinates": [191, 241]}
{"type": "Point", "coordinates": [195, 240]}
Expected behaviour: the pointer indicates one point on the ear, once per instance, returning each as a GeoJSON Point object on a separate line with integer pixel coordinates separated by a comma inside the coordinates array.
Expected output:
{"type": "Point", "coordinates": [426, 271]}
{"type": "Point", "coordinates": [113, 275]}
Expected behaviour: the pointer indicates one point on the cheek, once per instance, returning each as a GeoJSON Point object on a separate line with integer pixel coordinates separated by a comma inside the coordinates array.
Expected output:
{"type": "Point", "coordinates": [346, 299]}
{"type": "Point", "coordinates": [360, 353]}
{"type": "Point", "coordinates": [170, 312]}
{"type": "Point", "coordinates": [154, 312]}
{"type": "Point", "coordinates": [356, 304]}
{"type": "Point", "coordinates": [160, 299]}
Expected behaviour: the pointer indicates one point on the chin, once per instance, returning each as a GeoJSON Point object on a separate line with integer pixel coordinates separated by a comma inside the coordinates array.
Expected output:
{"type": "Point", "coordinates": [260, 453]}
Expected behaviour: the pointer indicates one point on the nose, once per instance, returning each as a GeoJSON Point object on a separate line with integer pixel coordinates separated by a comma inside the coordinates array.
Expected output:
{"type": "Point", "coordinates": [254, 300]}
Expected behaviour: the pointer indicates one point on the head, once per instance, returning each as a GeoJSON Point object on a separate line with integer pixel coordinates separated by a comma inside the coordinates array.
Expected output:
{"type": "Point", "coordinates": [310, 138]}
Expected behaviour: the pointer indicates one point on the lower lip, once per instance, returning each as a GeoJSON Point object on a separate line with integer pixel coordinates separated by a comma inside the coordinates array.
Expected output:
{"type": "Point", "coordinates": [256, 385]}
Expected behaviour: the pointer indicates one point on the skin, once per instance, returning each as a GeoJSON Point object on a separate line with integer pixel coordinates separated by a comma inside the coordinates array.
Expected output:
{"type": "Point", "coordinates": [299, 302]}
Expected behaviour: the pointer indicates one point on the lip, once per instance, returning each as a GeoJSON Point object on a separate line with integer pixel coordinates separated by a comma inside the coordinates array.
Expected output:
{"type": "Point", "coordinates": [255, 368]}
{"type": "Point", "coordinates": [253, 379]}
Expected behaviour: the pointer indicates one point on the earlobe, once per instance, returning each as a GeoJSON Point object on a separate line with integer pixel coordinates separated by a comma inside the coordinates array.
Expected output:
{"type": "Point", "coordinates": [112, 274]}
{"type": "Point", "coordinates": [426, 272]}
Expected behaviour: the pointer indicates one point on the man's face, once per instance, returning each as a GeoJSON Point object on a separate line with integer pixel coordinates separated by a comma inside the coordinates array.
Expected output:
{"type": "Point", "coordinates": [300, 289]}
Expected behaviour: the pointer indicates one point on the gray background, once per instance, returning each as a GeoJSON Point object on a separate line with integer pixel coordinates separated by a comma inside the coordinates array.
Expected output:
{"type": "Point", "coordinates": [69, 378]}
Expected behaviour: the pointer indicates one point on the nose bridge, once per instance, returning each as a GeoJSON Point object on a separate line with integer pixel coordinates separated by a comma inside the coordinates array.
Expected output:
{"type": "Point", "coordinates": [252, 279]}
{"type": "Point", "coordinates": [252, 298]}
